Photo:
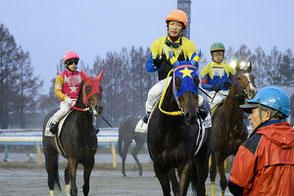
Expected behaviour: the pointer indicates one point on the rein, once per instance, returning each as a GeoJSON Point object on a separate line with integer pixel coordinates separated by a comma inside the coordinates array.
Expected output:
{"type": "Point", "coordinates": [79, 109]}
{"type": "Point", "coordinates": [175, 113]}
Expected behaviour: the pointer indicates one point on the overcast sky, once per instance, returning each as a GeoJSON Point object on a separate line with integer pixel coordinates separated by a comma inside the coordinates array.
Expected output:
{"type": "Point", "coordinates": [49, 28]}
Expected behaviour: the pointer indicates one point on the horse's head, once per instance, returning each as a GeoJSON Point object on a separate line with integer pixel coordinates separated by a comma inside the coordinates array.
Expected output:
{"type": "Point", "coordinates": [92, 94]}
{"type": "Point", "coordinates": [244, 80]}
{"type": "Point", "coordinates": [185, 88]}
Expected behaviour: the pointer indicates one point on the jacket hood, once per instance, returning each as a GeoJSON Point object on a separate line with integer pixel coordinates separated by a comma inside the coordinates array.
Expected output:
{"type": "Point", "coordinates": [282, 134]}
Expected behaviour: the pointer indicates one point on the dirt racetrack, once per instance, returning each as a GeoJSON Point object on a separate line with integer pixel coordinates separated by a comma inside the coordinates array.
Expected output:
{"type": "Point", "coordinates": [28, 182]}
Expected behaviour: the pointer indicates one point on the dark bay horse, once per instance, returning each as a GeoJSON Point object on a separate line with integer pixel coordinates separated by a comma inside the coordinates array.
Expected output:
{"type": "Point", "coordinates": [173, 136]}
{"type": "Point", "coordinates": [229, 130]}
{"type": "Point", "coordinates": [78, 139]}
{"type": "Point", "coordinates": [126, 134]}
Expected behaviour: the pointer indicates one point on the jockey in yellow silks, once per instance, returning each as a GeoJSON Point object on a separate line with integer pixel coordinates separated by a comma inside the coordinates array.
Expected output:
{"type": "Point", "coordinates": [165, 54]}
{"type": "Point", "coordinates": [217, 76]}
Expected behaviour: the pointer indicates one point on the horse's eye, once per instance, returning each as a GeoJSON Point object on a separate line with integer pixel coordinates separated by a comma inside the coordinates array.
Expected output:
{"type": "Point", "coordinates": [88, 89]}
{"type": "Point", "coordinates": [196, 80]}
{"type": "Point", "coordinates": [178, 83]}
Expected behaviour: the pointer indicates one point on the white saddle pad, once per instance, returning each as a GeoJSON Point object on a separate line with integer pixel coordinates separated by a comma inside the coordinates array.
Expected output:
{"type": "Point", "coordinates": [206, 123]}
{"type": "Point", "coordinates": [141, 127]}
{"type": "Point", "coordinates": [48, 133]}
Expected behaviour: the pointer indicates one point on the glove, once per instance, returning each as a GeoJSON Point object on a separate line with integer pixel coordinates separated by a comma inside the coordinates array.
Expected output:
{"type": "Point", "coordinates": [216, 88]}
{"type": "Point", "coordinates": [226, 84]}
{"type": "Point", "coordinates": [157, 62]}
{"type": "Point", "coordinates": [68, 100]}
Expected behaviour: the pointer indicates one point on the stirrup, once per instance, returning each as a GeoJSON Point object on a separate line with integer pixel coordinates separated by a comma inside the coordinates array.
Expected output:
{"type": "Point", "coordinates": [96, 129]}
{"type": "Point", "coordinates": [53, 128]}
{"type": "Point", "coordinates": [146, 118]}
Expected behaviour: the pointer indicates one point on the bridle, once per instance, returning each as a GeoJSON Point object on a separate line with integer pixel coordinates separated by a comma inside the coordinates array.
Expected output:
{"type": "Point", "coordinates": [244, 93]}
{"type": "Point", "coordinates": [95, 89]}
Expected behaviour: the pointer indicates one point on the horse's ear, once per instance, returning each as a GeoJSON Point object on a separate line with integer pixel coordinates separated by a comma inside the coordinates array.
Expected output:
{"type": "Point", "coordinates": [237, 68]}
{"type": "Point", "coordinates": [84, 76]}
{"type": "Point", "coordinates": [249, 67]}
{"type": "Point", "coordinates": [196, 59]}
{"type": "Point", "coordinates": [100, 75]}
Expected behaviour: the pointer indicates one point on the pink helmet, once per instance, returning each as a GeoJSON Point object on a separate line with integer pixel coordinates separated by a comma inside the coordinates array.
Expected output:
{"type": "Point", "coordinates": [70, 55]}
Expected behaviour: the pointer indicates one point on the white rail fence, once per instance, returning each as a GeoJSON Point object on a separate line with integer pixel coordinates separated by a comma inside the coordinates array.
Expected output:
{"type": "Point", "coordinates": [19, 137]}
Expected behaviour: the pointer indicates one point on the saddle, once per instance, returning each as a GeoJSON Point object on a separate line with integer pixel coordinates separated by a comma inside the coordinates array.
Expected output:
{"type": "Point", "coordinates": [215, 107]}
{"type": "Point", "coordinates": [60, 124]}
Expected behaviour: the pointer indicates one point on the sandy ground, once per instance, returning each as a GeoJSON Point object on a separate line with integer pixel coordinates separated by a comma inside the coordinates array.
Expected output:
{"type": "Point", "coordinates": [27, 182]}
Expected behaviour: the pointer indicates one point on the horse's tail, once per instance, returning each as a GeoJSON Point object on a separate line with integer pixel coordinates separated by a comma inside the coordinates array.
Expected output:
{"type": "Point", "coordinates": [56, 175]}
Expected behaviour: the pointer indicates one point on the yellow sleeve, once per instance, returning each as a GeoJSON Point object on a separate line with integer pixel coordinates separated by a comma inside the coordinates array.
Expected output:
{"type": "Point", "coordinates": [156, 48]}
{"type": "Point", "coordinates": [58, 87]}
{"type": "Point", "coordinates": [229, 68]}
{"type": "Point", "coordinates": [205, 70]}
{"type": "Point", "coordinates": [189, 48]}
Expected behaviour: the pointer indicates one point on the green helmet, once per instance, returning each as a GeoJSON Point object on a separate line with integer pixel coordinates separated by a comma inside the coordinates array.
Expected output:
{"type": "Point", "coordinates": [217, 46]}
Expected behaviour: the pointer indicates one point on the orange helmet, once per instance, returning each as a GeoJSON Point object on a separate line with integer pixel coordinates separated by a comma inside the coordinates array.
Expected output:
{"type": "Point", "coordinates": [179, 16]}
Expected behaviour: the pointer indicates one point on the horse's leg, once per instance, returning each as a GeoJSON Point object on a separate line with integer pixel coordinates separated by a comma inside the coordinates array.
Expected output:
{"type": "Point", "coordinates": [87, 172]}
{"type": "Point", "coordinates": [124, 154]}
{"type": "Point", "coordinates": [212, 173]}
{"type": "Point", "coordinates": [51, 164]}
{"type": "Point", "coordinates": [135, 151]}
{"type": "Point", "coordinates": [66, 179]}
{"type": "Point", "coordinates": [174, 181]}
{"type": "Point", "coordinates": [185, 174]}
{"type": "Point", "coordinates": [199, 177]}
{"type": "Point", "coordinates": [221, 169]}
{"type": "Point", "coordinates": [163, 179]}
{"type": "Point", "coordinates": [72, 168]}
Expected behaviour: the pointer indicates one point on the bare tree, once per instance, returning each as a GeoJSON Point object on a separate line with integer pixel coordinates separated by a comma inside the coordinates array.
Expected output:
{"type": "Point", "coordinates": [19, 88]}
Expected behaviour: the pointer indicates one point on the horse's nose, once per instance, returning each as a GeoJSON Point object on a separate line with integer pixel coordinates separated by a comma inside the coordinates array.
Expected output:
{"type": "Point", "coordinates": [190, 118]}
{"type": "Point", "coordinates": [251, 93]}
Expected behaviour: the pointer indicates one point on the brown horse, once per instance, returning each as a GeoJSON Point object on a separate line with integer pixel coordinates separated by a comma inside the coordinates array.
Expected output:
{"type": "Point", "coordinates": [126, 135]}
{"type": "Point", "coordinates": [228, 127]}
{"type": "Point", "coordinates": [173, 136]}
{"type": "Point", "coordinates": [78, 139]}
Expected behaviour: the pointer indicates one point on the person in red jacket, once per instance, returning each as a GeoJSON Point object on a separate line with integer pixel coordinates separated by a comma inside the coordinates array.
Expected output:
{"type": "Point", "coordinates": [264, 163]}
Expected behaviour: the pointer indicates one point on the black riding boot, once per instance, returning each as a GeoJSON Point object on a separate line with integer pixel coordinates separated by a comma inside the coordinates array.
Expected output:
{"type": "Point", "coordinates": [145, 119]}
{"type": "Point", "coordinates": [53, 128]}
{"type": "Point", "coordinates": [96, 129]}
{"type": "Point", "coordinates": [203, 112]}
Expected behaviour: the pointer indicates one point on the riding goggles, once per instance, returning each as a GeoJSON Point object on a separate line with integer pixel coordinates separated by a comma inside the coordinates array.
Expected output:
{"type": "Point", "coordinates": [173, 44]}
{"type": "Point", "coordinates": [72, 61]}
{"type": "Point", "coordinates": [216, 54]}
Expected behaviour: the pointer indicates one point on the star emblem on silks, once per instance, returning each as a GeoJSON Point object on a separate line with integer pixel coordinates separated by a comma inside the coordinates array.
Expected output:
{"type": "Point", "coordinates": [186, 72]}
{"type": "Point", "coordinates": [58, 85]}
{"type": "Point", "coordinates": [73, 88]}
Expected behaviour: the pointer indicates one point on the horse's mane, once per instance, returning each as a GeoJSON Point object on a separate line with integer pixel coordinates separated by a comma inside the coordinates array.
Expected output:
{"type": "Point", "coordinates": [80, 98]}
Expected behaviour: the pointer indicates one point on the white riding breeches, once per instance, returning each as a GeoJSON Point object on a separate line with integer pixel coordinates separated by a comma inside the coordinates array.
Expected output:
{"type": "Point", "coordinates": [64, 109]}
{"type": "Point", "coordinates": [155, 93]}
{"type": "Point", "coordinates": [218, 98]}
